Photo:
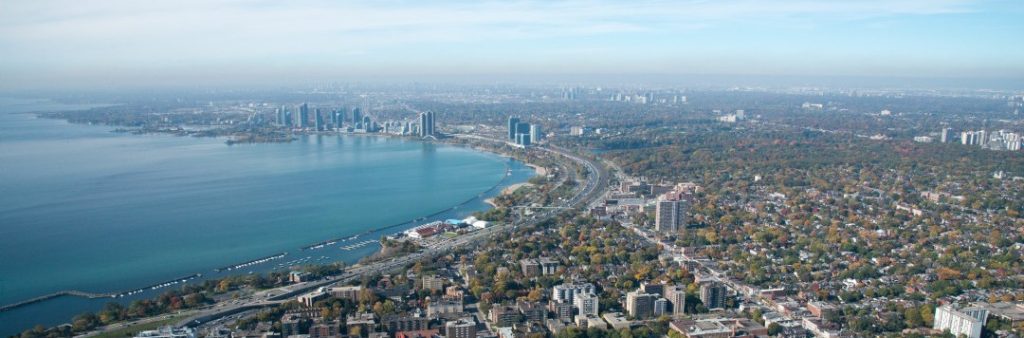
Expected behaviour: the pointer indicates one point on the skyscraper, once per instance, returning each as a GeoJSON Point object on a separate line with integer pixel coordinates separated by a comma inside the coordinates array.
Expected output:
{"type": "Point", "coordinates": [946, 134]}
{"type": "Point", "coordinates": [357, 117]}
{"type": "Point", "coordinates": [523, 139]}
{"type": "Point", "coordinates": [535, 133]}
{"type": "Point", "coordinates": [302, 120]}
{"type": "Point", "coordinates": [318, 119]}
{"type": "Point", "coordinates": [426, 124]}
{"type": "Point", "coordinates": [670, 216]}
{"type": "Point", "coordinates": [281, 116]}
{"type": "Point", "coordinates": [513, 122]}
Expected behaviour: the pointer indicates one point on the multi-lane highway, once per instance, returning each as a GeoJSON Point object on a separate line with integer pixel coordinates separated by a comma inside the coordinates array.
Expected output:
{"type": "Point", "coordinates": [594, 186]}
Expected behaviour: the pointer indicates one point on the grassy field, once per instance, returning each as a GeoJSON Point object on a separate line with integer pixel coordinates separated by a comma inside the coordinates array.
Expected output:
{"type": "Point", "coordinates": [132, 330]}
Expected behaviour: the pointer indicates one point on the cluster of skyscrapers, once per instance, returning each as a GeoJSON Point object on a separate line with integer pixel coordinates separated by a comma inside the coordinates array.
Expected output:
{"type": "Point", "coordinates": [336, 119]}
{"type": "Point", "coordinates": [523, 134]}
{"type": "Point", "coordinates": [302, 117]}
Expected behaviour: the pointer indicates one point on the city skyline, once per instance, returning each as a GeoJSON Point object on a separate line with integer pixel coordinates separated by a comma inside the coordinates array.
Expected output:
{"type": "Point", "coordinates": [59, 44]}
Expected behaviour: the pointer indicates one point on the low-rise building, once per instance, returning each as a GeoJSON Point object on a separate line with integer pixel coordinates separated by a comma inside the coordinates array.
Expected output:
{"type": "Point", "coordinates": [462, 328]}
{"type": "Point", "coordinates": [718, 328]}
{"type": "Point", "coordinates": [168, 332]}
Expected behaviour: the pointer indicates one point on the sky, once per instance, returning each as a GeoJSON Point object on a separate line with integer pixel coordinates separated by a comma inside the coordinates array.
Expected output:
{"type": "Point", "coordinates": [62, 43]}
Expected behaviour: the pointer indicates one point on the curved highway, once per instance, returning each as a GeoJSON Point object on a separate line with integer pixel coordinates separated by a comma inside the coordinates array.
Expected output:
{"type": "Point", "coordinates": [595, 186]}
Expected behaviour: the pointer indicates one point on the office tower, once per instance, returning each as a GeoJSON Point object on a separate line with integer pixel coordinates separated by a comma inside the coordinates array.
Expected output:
{"type": "Point", "coordinates": [535, 133]}
{"type": "Point", "coordinates": [462, 328]}
{"type": "Point", "coordinates": [426, 124]}
{"type": "Point", "coordinates": [513, 121]}
{"type": "Point", "coordinates": [966, 321]}
{"type": "Point", "coordinates": [946, 134]}
{"type": "Point", "coordinates": [640, 305]}
{"type": "Point", "coordinates": [670, 216]}
{"type": "Point", "coordinates": [712, 294]}
{"type": "Point", "coordinates": [587, 304]}
{"type": "Point", "coordinates": [302, 120]}
{"type": "Point", "coordinates": [676, 295]}
{"type": "Point", "coordinates": [982, 138]}
{"type": "Point", "coordinates": [318, 119]}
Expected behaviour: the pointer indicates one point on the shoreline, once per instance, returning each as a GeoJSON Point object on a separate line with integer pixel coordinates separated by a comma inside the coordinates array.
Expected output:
{"type": "Point", "coordinates": [355, 256]}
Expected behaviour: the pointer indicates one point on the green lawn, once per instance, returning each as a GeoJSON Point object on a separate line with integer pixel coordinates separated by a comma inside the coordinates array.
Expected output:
{"type": "Point", "coordinates": [132, 330]}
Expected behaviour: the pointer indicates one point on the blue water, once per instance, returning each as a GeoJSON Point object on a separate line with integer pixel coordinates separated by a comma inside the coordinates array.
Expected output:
{"type": "Point", "coordinates": [87, 209]}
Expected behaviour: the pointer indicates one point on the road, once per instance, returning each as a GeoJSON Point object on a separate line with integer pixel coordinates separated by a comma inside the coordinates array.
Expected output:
{"type": "Point", "coordinates": [595, 186]}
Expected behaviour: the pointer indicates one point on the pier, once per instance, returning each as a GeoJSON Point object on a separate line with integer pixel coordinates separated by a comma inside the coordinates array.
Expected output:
{"type": "Point", "coordinates": [95, 295]}
{"type": "Point", "coordinates": [357, 245]}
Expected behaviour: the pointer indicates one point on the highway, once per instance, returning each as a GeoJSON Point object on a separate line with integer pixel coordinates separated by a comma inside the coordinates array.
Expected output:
{"type": "Point", "coordinates": [596, 185]}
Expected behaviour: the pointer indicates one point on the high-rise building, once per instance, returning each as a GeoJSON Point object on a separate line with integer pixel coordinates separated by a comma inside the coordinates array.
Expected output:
{"type": "Point", "coordinates": [367, 123]}
{"type": "Point", "coordinates": [281, 116]}
{"type": "Point", "coordinates": [318, 120]}
{"type": "Point", "coordinates": [587, 304]}
{"type": "Point", "coordinates": [523, 128]}
{"type": "Point", "coordinates": [568, 292]}
{"type": "Point", "coordinates": [670, 216]}
{"type": "Point", "coordinates": [513, 122]}
{"type": "Point", "coordinates": [660, 307]}
{"type": "Point", "coordinates": [966, 321]}
{"type": "Point", "coordinates": [713, 294]}
{"type": "Point", "coordinates": [426, 124]}
{"type": "Point", "coordinates": [523, 139]}
{"type": "Point", "coordinates": [535, 133]}
{"type": "Point", "coordinates": [357, 118]}
{"type": "Point", "coordinates": [947, 133]}
{"type": "Point", "coordinates": [676, 295]}
{"type": "Point", "coordinates": [462, 328]}
{"type": "Point", "coordinates": [640, 305]}
{"type": "Point", "coordinates": [562, 310]}
{"type": "Point", "coordinates": [302, 120]}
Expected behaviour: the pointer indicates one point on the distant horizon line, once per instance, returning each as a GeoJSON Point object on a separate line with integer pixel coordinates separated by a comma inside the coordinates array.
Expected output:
{"type": "Point", "coordinates": [684, 80]}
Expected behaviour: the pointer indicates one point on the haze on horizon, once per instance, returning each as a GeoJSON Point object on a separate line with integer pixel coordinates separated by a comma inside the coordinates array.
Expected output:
{"type": "Point", "coordinates": [117, 43]}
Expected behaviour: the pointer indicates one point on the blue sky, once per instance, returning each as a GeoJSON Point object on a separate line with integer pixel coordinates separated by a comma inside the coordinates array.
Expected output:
{"type": "Point", "coordinates": [73, 42]}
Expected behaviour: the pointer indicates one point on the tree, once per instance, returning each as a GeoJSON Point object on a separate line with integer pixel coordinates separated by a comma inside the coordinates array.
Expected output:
{"type": "Point", "coordinates": [913, 317]}
{"type": "Point", "coordinates": [774, 329]}
{"type": "Point", "coordinates": [928, 314]}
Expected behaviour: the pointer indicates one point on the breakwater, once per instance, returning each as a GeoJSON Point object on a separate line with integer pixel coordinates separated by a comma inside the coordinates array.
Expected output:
{"type": "Point", "coordinates": [252, 262]}
{"type": "Point", "coordinates": [94, 295]}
